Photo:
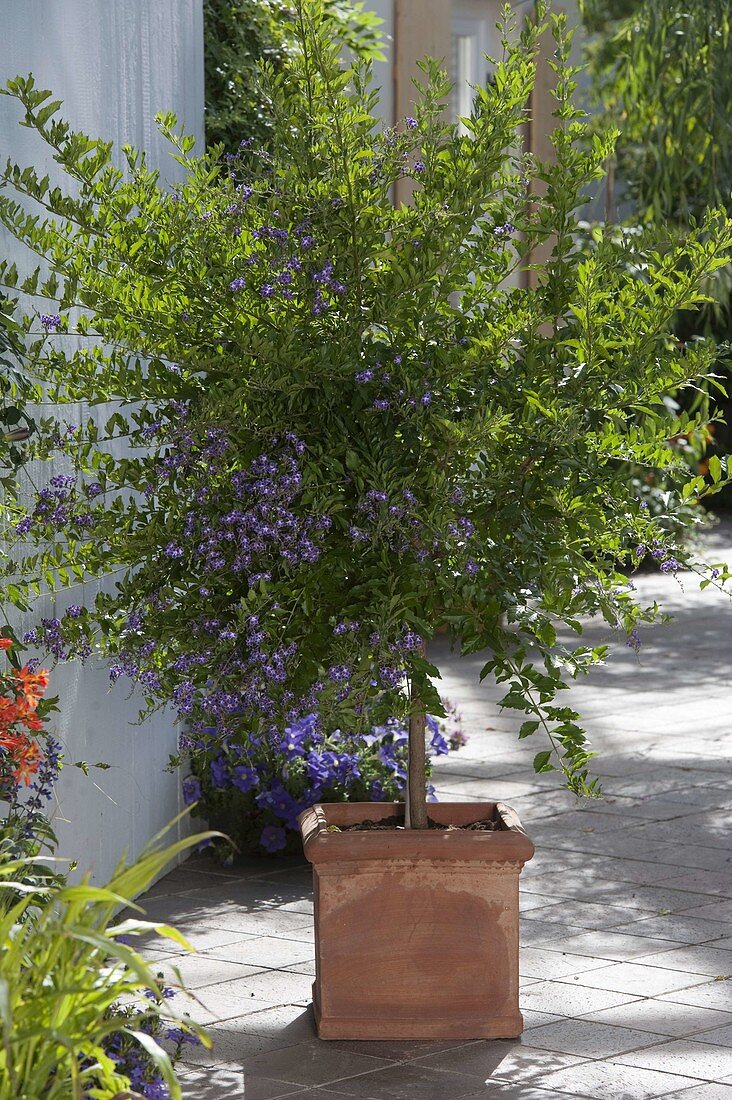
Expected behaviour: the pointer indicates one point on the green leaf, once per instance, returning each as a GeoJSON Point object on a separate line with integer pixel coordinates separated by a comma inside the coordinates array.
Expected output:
{"type": "Point", "coordinates": [541, 762]}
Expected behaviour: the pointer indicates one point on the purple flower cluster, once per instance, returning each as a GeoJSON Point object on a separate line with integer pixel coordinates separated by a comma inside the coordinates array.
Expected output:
{"type": "Point", "coordinates": [130, 1057]}
{"type": "Point", "coordinates": [285, 270]}
{"type": "Point", "coordinates": [303, 766]}
{"type": "Point", "coordinates": [46, 776]}
{"type": "Point", "coordinates": [661, 554]}
{"type": "Point", "coordinates": [60, 506]}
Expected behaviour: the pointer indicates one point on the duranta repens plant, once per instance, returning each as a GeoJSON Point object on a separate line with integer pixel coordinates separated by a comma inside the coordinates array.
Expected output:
{"type": "Point", "coordinates": [319, 426]}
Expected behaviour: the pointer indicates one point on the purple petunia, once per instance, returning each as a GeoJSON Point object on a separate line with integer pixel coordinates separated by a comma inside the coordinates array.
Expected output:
{"type": "Point", "coordinates": [273, 838]}
{"type": "Point", "coordinates": [191, 790]}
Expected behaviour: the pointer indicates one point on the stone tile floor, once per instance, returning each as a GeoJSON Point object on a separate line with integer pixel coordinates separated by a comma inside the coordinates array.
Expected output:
{"type": "Point", "coordinates": [627, 943]}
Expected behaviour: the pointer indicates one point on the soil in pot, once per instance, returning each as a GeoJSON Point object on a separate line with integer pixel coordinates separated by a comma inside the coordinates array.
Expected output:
{"type": "Point", "coordinates": [486, 825]}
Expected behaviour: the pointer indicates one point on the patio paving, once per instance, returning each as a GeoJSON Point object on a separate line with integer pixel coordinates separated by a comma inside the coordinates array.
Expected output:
{"type": "Point", "coordinates": [627, 956]}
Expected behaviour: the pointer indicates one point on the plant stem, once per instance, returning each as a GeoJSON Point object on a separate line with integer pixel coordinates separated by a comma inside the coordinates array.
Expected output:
{"type": "Point", "coordinates": [416, 805]}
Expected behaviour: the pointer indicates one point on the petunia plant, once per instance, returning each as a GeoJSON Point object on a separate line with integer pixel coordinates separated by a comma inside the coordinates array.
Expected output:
{"type": "Point", "coordinates": [338, 423]}
{"type": "Point", "coordinates": [256, 797]}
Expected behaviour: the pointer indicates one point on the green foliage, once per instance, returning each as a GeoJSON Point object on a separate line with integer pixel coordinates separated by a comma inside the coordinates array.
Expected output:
{"type": "Point", "coordinates": [468, 478]}
{"type": "Point", "coordinates": [27, 845]}
{"type": "Point", "coordinates": [16, 425]}
{"type": "Point", "coordinates": [241, 35]}
{"type": "Point", "coordinates": [53, 1030]}
{"type": "Point", "coordinates": [661, 69]}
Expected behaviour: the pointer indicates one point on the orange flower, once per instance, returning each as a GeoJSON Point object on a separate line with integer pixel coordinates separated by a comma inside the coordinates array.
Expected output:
{"type": "Point", "coordinates": [6, 643]}
{"type": "Point", "coordinates": [32, 722]}
{"type": "Point", "coordinates": [12, 742]}
{"type": "Point", "coordinates": [27, 764]}
{"type": "Point", "coordinates": [8, 712]}
{"type": "Point", "coordinates": [32, 684]}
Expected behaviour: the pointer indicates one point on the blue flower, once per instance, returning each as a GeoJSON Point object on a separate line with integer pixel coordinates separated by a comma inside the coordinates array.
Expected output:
{"type": "Point", "coordinates": [219, 772]}
{"type": "Point", "coordinates": [273, 838]}
{"type": "Point", "coordinates": [244, 778]}
{"type": "Point", "coordinates": [191, 790]}
{"type": "Point", "coordinates": [377, 792]}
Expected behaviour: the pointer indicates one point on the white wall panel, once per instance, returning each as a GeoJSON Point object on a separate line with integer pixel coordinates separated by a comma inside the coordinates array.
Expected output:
{"type": "Point", "coordinates": [114, 63]}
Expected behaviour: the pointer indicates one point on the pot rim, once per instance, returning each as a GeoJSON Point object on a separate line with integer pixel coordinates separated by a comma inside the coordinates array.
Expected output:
{"type": "Point", "coordinates": [323, 844]}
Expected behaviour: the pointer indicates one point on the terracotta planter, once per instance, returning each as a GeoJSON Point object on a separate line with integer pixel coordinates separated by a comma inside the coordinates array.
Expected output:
{"type": "Point", "coordinates": [416, 933]}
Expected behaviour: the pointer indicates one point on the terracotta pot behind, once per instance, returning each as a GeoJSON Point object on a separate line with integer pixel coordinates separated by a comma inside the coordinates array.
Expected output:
{"type": "Point", "coordinates": [416, 933]}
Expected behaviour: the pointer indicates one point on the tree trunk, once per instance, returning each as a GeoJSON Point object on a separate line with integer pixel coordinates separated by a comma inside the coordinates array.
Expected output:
{"type": "Point", "coordinates": [416, 805]}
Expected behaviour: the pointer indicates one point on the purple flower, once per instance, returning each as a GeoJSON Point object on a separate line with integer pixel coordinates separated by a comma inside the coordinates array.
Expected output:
{"type": "Point", "coordinates": [670, 566]}
{"type": "Point", "coordinates": [244, 778]}
{"type": "Point", "coordinates": [438, 743]}
{"type": "Point", "coordinates": [273, 838]}
{"type": "Point", "coordinates": [191, 790]}
{"type": "Point", "coordinates": [633, 641]}
{"type": "Point", "coordinates": [410, 122]}
{"type": "Point", "coordinates": [381, 404]}
{"type": "Point", "coordinates": [238, 284]}
{"type": "Point", "coordinates": [365, 376]}
{"type": "Point", "coordinates": [339, 674]}
{"type": "Point", "coordinates": [267, 291]}
{"type": "Point", "coordinates": [505, 230]}
{"type": "Point", "coordinates": [219, 772]}
{"type": "Point", "coordinates": [419, 166]}
{"type": "Point", "coordinates": [391, 677]}
{"type": "Point", "coordinates": [51, 321]}
{"type": "Point", "coordinates": [426, 399]}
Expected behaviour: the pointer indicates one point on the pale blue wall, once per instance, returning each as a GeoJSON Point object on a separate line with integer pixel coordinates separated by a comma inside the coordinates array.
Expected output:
{"type": "Point", "coordinates": [114, 63]}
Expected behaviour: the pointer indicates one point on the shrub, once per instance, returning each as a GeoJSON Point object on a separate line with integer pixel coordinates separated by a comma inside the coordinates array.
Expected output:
{"type": "Point", "coordinates": [342, 428]}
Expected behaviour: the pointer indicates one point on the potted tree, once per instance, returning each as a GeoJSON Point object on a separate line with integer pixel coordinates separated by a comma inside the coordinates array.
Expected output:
{"type": "Point", "coordinates": [345, 430]}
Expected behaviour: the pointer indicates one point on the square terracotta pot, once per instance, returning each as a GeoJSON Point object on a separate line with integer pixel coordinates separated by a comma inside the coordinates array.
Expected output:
{"type": "Point", "coordinates": [416, 932]}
